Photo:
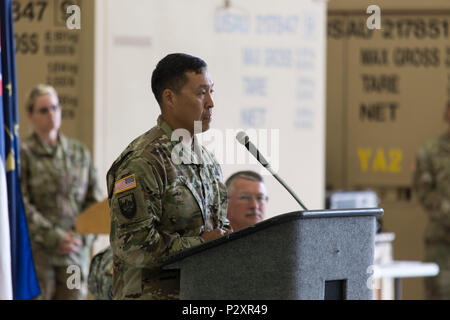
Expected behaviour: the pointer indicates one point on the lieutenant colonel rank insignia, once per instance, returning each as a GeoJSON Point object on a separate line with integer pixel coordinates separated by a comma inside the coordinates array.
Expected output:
{"type": "Point", "coordinates": [127, 205]}
{"type": "Point", "coordinates": [125, 184]}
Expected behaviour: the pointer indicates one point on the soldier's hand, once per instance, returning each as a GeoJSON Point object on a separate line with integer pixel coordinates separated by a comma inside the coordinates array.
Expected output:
{"type": "Point", "coordinates": [70, 244]}
{"type": "Point", "coordinates": [209, 235]}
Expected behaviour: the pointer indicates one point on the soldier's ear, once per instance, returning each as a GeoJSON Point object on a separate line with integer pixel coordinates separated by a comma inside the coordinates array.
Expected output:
{"type": "Point", "coordinates": [169, 98]}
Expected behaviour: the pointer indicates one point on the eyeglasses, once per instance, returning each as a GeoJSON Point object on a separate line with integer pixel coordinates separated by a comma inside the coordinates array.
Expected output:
{"type": "Point", "coordinates": [247, 198]}
{"type": "Point", "coordinates": [47, 110]}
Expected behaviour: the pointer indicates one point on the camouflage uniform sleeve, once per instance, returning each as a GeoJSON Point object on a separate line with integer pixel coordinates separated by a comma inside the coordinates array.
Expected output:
{"type": "Point", "coordinates": [93, 194]}
{"type": "Point", "coordinates": [137, 236]}
{"type": "Point", "coordinates": [424, 181]}
{"type": "Point", "coordinates": [41, 230]}
{"type": "Point", "coordinates": [224, 223]}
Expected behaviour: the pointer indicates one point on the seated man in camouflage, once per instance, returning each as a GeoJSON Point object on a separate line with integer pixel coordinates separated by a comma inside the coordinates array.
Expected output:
{"type": "Point", "coordinates": [100, 275]}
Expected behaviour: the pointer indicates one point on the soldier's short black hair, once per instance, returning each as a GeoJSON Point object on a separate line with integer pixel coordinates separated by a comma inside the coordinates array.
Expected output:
{"type": "Point", "coordinates": [170, 72]}
{"type": "Point", "coordinates": [249, 175]}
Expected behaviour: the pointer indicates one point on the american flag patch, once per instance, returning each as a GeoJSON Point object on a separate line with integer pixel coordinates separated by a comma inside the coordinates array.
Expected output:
{"type": "Point", "coordinates": [125, 184]}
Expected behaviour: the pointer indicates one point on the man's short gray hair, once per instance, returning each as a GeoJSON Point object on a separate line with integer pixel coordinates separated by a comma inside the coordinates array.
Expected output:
{"type": "Point", "coordinates": [249, 175]}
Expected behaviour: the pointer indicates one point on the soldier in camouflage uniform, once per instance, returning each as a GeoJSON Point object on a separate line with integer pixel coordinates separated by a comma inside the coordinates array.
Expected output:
{"type": "Point", "coordinates": [247, 212]}
{"type": "Point", "coordinates": [58, 182]}
{"type": "Point", "coordinates": [166, 192]}
{"type": "Point", "coordinates": [432, 184]}
{"type": "Point", "coordinates": [101, 274]}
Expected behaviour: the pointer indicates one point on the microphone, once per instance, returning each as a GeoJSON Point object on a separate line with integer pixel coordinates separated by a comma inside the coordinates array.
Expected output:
{"type": "Point", "coordinates": [243, 139]}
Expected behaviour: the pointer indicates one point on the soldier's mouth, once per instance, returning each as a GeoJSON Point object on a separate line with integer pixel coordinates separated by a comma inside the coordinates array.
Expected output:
{"type": "Point", "coordinates": [207, 118]}
{"type": "Point", "coordinates": [252, 214]}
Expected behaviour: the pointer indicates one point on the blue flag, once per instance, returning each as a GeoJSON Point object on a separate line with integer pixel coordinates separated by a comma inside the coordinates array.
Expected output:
{"type": "Point", "coordinates": [24, 280]}
{"type": "Point", "coordinates": [6, 292]}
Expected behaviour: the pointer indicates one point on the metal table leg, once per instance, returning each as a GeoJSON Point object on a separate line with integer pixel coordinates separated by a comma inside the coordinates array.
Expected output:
{"type": "Point", "coordinates": [398, 289]}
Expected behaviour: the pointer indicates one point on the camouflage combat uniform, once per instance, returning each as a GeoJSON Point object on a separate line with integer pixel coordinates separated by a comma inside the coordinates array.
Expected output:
{"type": "Point", "coordinates": [100, 275]}
{"type": "Point", "coordinates": [160, 204]}
{"type": "Point", "coordinates": [432, 184]}
{"type": "Point", "coordinates": [58, 182]}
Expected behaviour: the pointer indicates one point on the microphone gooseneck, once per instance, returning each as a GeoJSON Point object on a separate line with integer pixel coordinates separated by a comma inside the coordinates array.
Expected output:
{"type": "Point", "coordinates": [243, 139]}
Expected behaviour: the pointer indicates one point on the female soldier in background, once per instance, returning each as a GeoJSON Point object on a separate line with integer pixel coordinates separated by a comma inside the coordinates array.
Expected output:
{"type": "Point", "coordinates": [58, 182]}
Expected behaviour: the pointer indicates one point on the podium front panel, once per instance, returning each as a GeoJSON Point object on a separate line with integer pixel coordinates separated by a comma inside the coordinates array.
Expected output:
{"type": "Point", "coordinates": [297, 259]}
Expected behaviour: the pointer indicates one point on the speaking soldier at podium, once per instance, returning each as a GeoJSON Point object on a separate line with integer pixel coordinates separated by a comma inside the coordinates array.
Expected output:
{"type": "Point", "coordinates": [165, 191]}
{"type": "Point", "coordinates": [247, 200]}
{"type": "Point", "coordinates": [246, 206]}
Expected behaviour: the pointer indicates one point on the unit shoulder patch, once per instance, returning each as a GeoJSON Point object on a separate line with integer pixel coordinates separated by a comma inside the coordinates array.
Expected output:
{"type": "Point", "coordinates": [127, 205]}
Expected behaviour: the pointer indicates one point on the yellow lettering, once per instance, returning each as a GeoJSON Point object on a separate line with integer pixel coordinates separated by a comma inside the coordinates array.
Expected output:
{"type": "Point", "coordinates": [364, 155]}
{"type": "Point", "coordinates": [395, 157]}
{"type": "Point", "coordinates": [379, 164]}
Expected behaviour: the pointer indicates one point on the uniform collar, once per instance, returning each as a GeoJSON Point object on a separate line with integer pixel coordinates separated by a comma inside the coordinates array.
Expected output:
{"type": "Point", "coordinates": [44, 148]}
{"type": "Point", "coordinates": [165, 127]}
{"type": "Point", "coordinates": [191, 155]}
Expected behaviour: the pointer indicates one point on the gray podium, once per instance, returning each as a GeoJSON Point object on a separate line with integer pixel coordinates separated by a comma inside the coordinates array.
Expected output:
{"type": "Point", "coordinates": [300, 255]}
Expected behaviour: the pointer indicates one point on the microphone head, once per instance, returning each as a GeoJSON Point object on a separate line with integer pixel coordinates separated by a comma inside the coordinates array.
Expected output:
{"type": "Point", "coordinates": [242, 137]}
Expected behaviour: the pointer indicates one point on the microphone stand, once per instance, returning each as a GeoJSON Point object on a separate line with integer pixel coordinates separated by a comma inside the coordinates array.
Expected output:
{"type": "Point", "coordinates": [255, 152]}
{"type": "Point", "coordinates": [286, 187]}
